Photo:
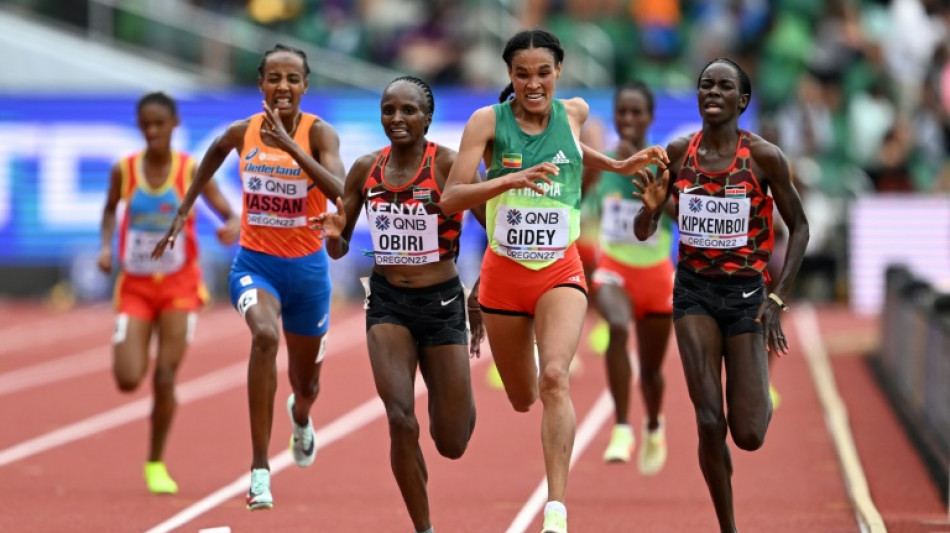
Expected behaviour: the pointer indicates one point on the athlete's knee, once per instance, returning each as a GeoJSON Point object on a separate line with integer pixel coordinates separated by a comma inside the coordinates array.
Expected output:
{"type": "Point", "coordinates": [264, 341]}
{"type": "Point", "coordinates": [711, 424]}
{"type": "Point", "coordinates": [164, 378]}
{"type": "Point", "coordinates": [522, 400]}
{"type": "Point", "coordinates": [619, 329]}
{"type": "Point", "coordinates": [748, 437]}
{"type": "Point", "coordinates": [451, 446]}
{"type": "Point", "coordinates": [403, 425]}
{"type": "Point", "coordinates": [126, 383]}
{"type": "Point", "coordinates": [553, 381]}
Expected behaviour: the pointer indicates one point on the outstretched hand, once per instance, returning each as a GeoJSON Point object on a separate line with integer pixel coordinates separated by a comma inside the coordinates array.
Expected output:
{"type": "Point", "coordinates": [652, 190]}
{"type": "Point", "coordinates": [529, 177]}
{"type": "Point", "coordinates": [654, 155]}
{"type": "Point", "coordinates": [168, 240]}
{"type": "Point", "coordinates": [330, 225]}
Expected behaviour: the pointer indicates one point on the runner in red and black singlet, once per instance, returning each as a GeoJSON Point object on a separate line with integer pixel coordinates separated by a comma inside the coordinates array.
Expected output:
{"type": "Point", "coordinates": [422, 194]}
{"type": "Point", "coordinates": [415, 303]}
{"type": "Point", "coordinates": [743, 251]}
{"type": "Point", "coordinates": [725, 181]}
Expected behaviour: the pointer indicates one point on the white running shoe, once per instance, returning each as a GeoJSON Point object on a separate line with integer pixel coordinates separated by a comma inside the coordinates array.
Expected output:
{"type": "Point", "coordinates": [621, 444]}
{"type": "Point", "coordinates": [259, 496]}
{"type": "Point", "coordinates": [653, 450]}
{"type": "Point", "coordinates": [302, 445]}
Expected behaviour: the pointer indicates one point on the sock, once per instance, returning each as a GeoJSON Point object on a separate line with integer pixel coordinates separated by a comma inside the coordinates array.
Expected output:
{"type": "Point", "coordinates": [427, 531]}
{"type": "Point", "coordinates": [623, 426]}
{"type": "Point", "coordinates": [555, 506]}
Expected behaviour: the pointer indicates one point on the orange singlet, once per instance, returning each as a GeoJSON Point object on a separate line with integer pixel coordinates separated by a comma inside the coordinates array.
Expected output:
{"type": "Point", "coordinates": [278, 195]}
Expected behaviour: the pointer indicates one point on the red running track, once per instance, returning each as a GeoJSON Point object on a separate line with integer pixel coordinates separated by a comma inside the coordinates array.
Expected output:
{"type": "Point", "coordinates": [72, 447]}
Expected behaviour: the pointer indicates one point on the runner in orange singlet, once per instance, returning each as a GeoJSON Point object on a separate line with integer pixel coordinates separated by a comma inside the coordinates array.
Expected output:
{"type": "Point", "coordinates": [724, 181]}
{"type": "Point", "coordinates": [290, 164]}
{"type": "Point", "coordinates": [161, 295]}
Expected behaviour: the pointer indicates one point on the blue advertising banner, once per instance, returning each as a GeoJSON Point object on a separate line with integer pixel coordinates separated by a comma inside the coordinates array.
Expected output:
{"type": "Point", "coordinates": [56, 152]}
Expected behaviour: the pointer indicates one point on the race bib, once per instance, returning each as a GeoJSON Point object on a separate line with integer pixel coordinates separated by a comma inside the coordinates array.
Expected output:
{"type": "Point", "coordinates": [707, 222]}
{"type": "Point", "coordinates": [616, 222]}
{"type": "Point", "coordinates": [404, 239]}
{"type": "Point", "coordinates": [138, 254]}
{"type": "Point", "coordinates": [274, 202]}
{"type": "Point", "coordinates": [532, 233]}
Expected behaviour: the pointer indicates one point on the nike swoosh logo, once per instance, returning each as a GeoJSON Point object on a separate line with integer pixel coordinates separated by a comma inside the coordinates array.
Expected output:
{"type": "Point", "coordinates": [309, 451]}
{"type": "Point", "coordinates": [450, 300]}
{"type": "Point", "coordinates": [371, 194]}
{"type": "Point", "coordinates": [747, 294]}
{"type": "Point", "coordinates": [322, 321]}
{"type": "Point", "coordinates": [693, 188]}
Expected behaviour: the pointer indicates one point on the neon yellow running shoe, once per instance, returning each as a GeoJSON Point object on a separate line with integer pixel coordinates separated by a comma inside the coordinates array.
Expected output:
{"type": "Point", "coordinates": [621, 444]}
{"type": "Point", "coordinates": [158, 480]}
{"type": "Point", "coordinates": [653, 450]}
{"type": "Point", "coordinates": [776, 397]}
{"type": "Point", "coordinates": [554, 522]}
{"type": "Point", "coordinates": [599, 338]}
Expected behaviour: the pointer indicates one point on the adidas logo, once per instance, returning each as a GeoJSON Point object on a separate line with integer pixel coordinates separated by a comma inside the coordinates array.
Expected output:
{"type": "Point", "coordinates": [560, 158]}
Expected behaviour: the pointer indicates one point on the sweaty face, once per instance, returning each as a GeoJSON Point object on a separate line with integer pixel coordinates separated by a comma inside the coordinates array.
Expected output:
{"type": "Point", "coordinates": [534, 74]}
{"type": "Point", "coordinates": [718, 93]}
{"type": "Point", "coordinates": [283, 83]}
{"type": "Point", "coordinates": [632, 117]}
{"type": "Point", "coordinates": [404, 113]}
{"type": "Point", "coordinates": [156, 122]}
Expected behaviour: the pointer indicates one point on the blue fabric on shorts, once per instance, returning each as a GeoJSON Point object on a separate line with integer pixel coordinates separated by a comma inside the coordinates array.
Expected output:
{"type": "Point", "coordinates": [300, 284]}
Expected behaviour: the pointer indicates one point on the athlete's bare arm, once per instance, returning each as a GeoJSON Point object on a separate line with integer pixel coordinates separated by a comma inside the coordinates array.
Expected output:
{"type": "Point", "coordinates": [654, 192]}
{"type": "Point", "coordinates": [337, 228]}
{"type": "Point", "coordinates": [444, 160]}
{"type": "Point", "coordinates": [107, 225]}
{"type": "Point", "coordinates": [231, 139]}
{"type": "Point", "coordinates": [461, 191]}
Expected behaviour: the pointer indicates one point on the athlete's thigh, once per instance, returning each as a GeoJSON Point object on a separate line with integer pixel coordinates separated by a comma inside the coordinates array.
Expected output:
{"type": "Point", "coordinates": [558, 320]}
{"type": "Point", "coordinates": [175, 330]}
{"type": "Point", "coordinates": [613, 303]}
{"type": "Point", "coordinates": [447, 374]}
{"type": "Point", "coordinates": [701, 346]}
{"type": "Point", "coordinates": [511, 338]}
{"type": "Point", "coordinates": [747, 376]}
{"type": "Point", "coordinates": [394, 357]}
{"type": "Point", "coordinates": [130, 346]}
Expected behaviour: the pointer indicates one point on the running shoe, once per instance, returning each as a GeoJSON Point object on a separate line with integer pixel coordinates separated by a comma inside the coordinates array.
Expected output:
{"type": "Point", "coordinates": [302, 444]}
{"type": "Point", "coordinates": [158, 480]}
{"type": "Point", "coordinates": [555, 521]}
{"type": "Point", "coordinates": [776, 397]}
{"type": "Point", "coordinates": [653, 450]}
{"type": "Point", "coordinates": [621, 444]}
{"type": "Point", "coordinates": [259, 496]}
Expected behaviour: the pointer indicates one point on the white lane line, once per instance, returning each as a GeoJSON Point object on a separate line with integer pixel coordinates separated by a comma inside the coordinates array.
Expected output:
{"type": "Point", "coordinates": [99, 358]}
{"type": "Point", "coordinates": [836, 419]}
{"type": "Point", "coordinates": [199, 388]}
{"type": "Point", "coordinates": [349, 423]}
{"type": "Point", "coordinates": [595, 419]}
{"type": "Point", "coordinates": [52, 329]}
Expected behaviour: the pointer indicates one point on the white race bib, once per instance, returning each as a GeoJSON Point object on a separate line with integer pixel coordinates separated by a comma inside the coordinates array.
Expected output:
{"type": "Point", "coordinates": [532, 233]}
{"type": "Point", "coordinates": [616, 222]}
{"type": "Point", "coordinates": [404, 239]}
{"type": "Point", "coordinates": [274, 202]}
{"type": "Point", "coordinates": [708, 222]}
{"type": "Point", "coordinates": [138, 260]}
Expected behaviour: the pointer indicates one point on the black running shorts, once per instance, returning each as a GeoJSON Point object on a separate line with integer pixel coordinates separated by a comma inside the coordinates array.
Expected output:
{"type": "Point", "coordinates": [732, 302]}
{"type": "Point", "coordinates": [434, 315]}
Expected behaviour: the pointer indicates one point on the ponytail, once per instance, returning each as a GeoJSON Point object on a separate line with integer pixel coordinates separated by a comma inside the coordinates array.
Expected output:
{"type": "Point", "coordinates": [506, 93]}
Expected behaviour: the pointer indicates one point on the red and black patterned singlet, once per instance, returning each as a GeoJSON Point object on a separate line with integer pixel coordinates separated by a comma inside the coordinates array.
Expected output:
{"type": "Point", "coordinates": [727, 216]}
{"type": "Point", "coordinates": [384, 203]}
